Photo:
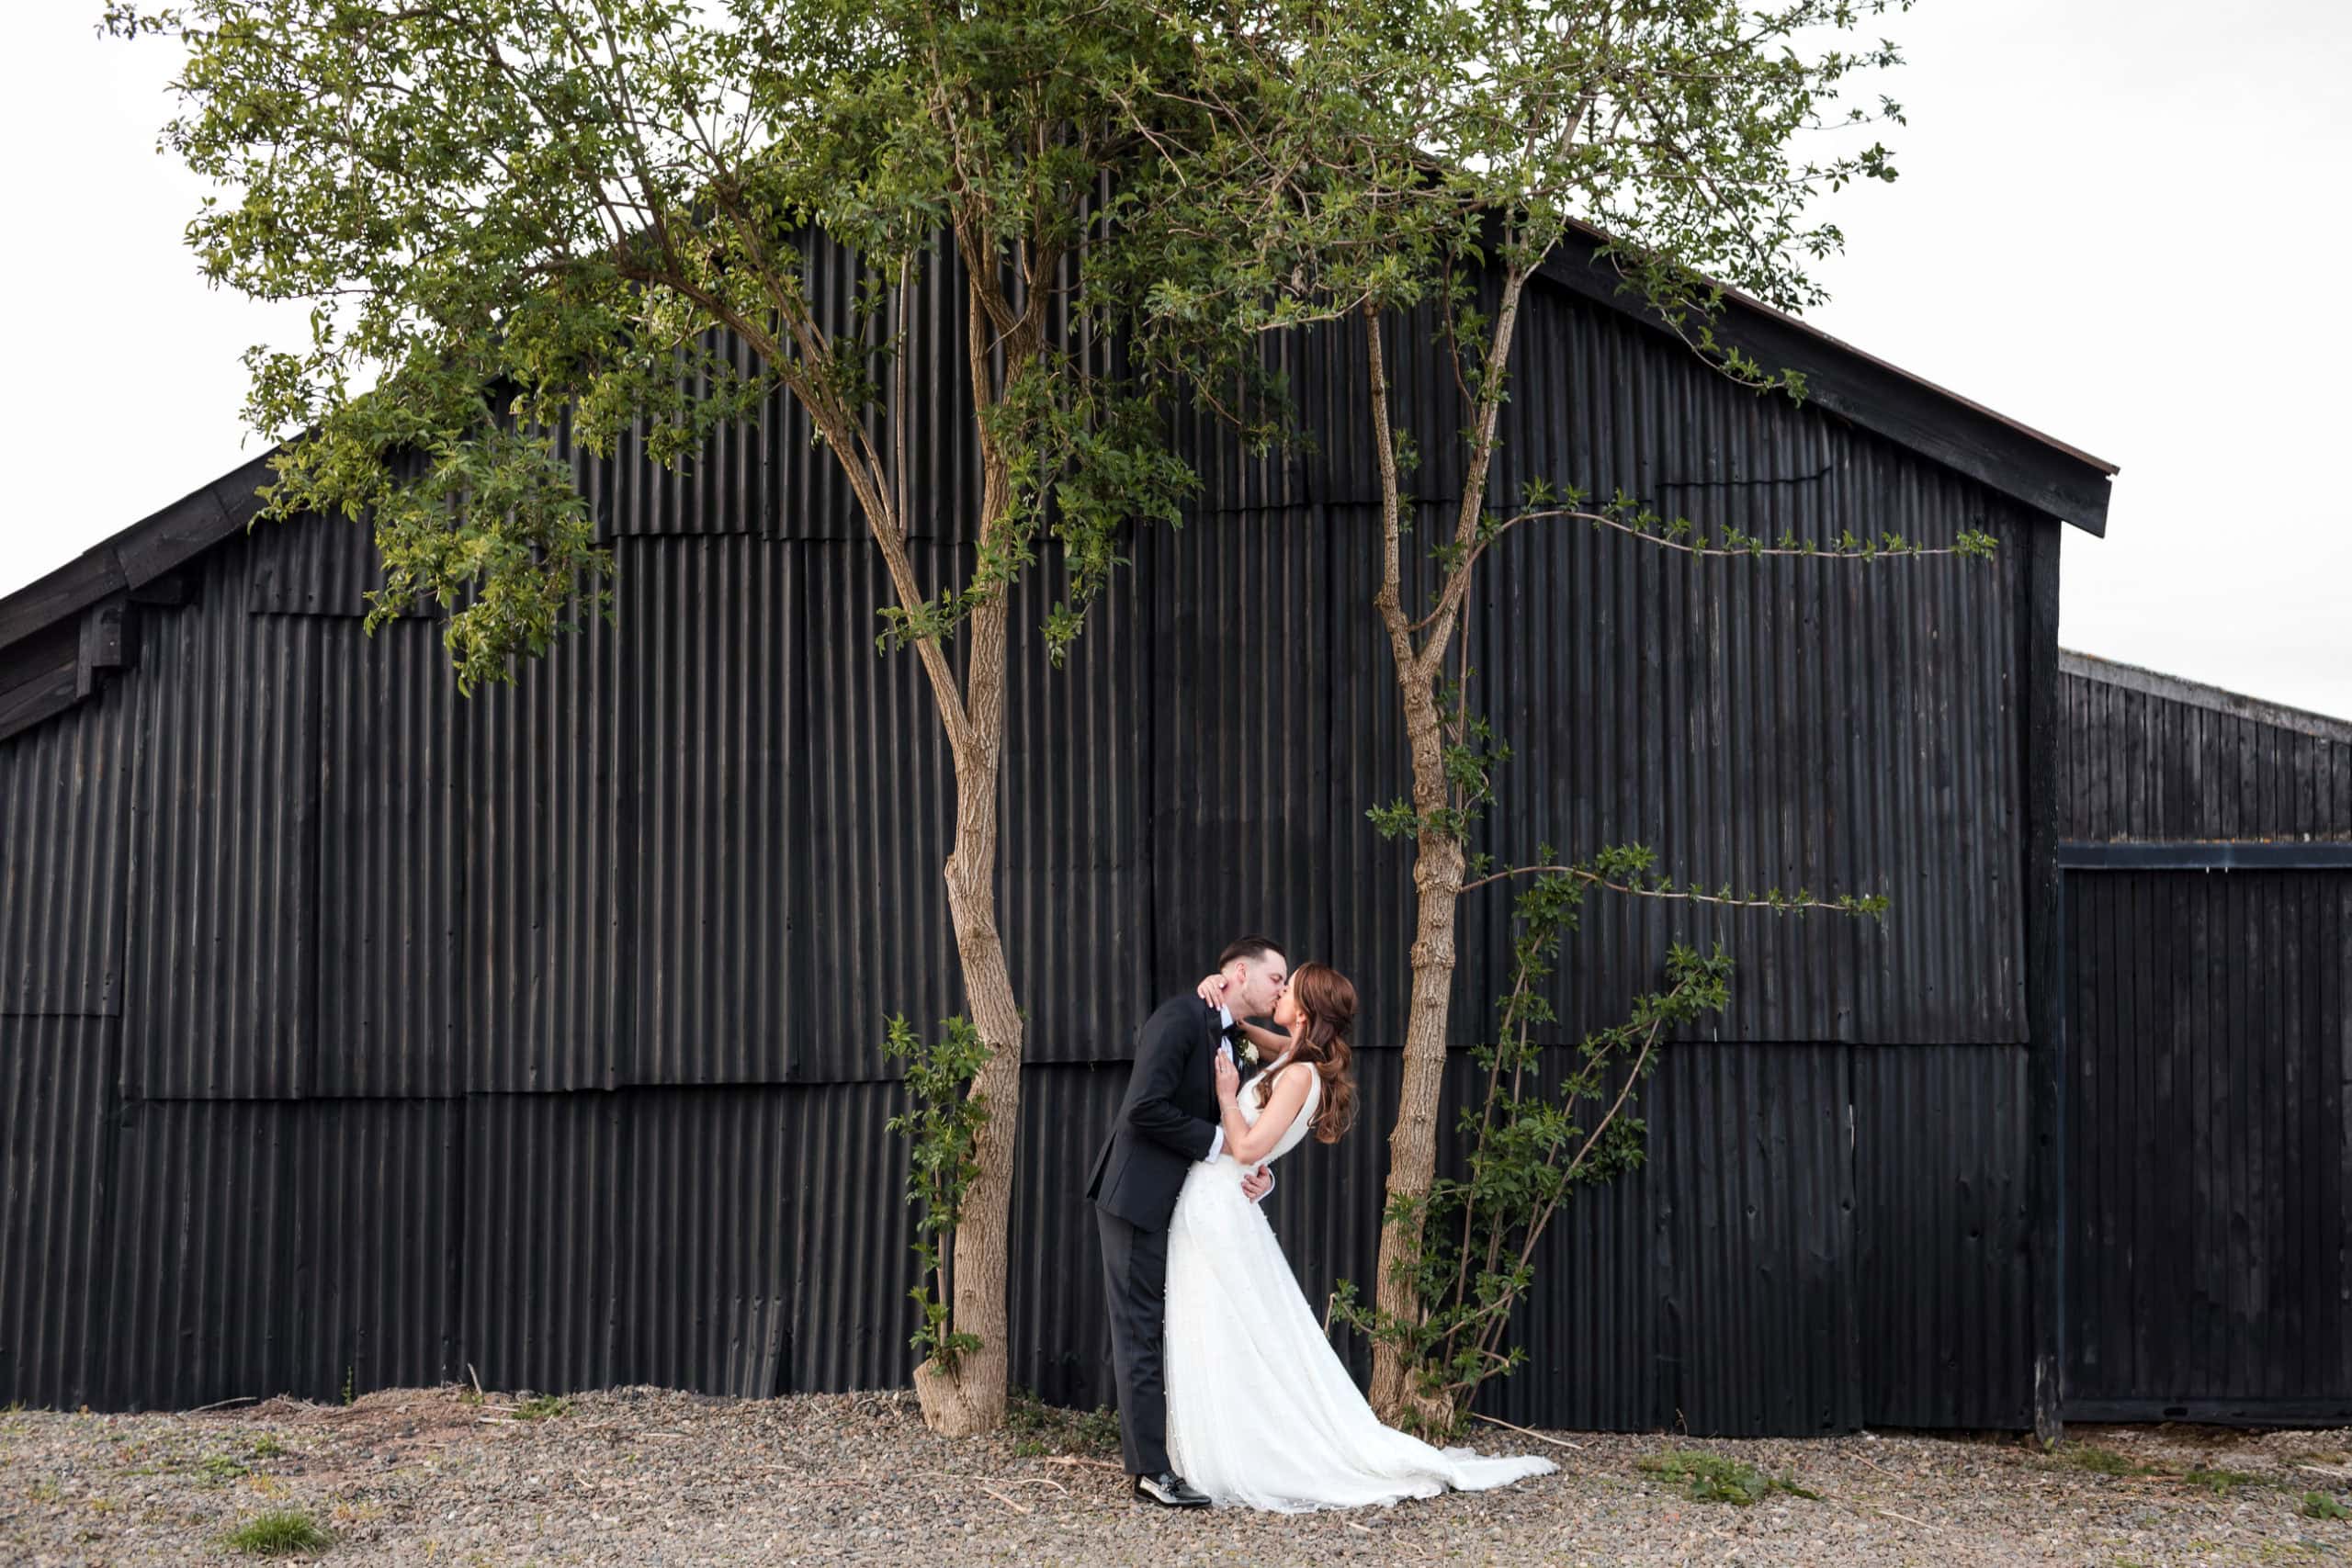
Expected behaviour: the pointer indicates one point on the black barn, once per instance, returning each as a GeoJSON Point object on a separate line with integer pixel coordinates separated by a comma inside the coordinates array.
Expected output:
{"type": "Point", "coordinates": [353, 1033]}
{"type": "Point", "coordinates": [2208, 856]}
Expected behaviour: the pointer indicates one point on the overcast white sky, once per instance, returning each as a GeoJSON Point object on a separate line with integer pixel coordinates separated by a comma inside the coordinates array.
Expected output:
{"type": "Point", "coordinates": [2120, 221]}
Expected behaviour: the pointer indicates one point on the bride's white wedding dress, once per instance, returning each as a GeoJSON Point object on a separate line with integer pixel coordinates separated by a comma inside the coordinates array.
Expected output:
{"type": "Point", "coordinates": [1261, 1410]}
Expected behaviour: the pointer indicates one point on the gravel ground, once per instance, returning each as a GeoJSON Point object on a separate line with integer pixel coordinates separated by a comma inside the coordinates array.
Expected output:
{"type": "Point", "coordinates": [658, 1477]}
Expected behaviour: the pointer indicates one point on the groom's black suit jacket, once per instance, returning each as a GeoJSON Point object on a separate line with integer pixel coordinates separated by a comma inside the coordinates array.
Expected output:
{"type": "Point", "coordinates": [1168, 1119]}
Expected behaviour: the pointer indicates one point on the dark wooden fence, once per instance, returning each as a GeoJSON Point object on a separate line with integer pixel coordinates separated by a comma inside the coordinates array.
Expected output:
{"type": "Point", "coordinates": [2208, 1044]}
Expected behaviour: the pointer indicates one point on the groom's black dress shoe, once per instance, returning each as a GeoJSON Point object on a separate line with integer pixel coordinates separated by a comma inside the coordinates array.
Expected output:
{"type": "Point", "coordinates": [1169, 1490]}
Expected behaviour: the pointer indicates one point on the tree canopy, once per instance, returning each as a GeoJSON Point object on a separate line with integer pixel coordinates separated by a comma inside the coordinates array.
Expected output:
{"type": "Point", "coordinates": [506, 213]}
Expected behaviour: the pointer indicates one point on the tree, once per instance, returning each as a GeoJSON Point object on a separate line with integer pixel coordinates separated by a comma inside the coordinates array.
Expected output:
{"type": "Point", "coordinates": [1380, 157]}
{"type": "Point", "coordinates": [511, 214]}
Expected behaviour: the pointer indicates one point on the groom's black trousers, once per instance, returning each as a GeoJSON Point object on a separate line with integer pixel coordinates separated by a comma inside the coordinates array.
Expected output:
{"type": "Point", "coordinates": [1135, 1268]}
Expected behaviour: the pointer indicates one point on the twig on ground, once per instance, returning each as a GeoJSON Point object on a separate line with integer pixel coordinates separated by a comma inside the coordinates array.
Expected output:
{"type": "Point", "coordinates": [1907, 1518]}
{"type": "Point", "coordinates": [1525, 1432]}
{"type": "Point", "coordinates": [1090, 1463]}
{"type": "Point", "coordinates": [960, 1478]}
{"type": "Point", "coordinates": [1890, 1513]}
{"type": "Point", "coordinates": [224, 1404]}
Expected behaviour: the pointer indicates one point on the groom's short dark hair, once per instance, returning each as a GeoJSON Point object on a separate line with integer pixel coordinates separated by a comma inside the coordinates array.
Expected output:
{"type": "Point", "coordinates": [1247, 947]}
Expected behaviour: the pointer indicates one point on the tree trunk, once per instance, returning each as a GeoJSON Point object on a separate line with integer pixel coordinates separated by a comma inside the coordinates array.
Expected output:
{"type": "Point", "coordinates": [1412, 1148]}
{"type": "Point", "coordinates": [971, 1399]}
{"type": "Point", "coordinates": [1439, 863]}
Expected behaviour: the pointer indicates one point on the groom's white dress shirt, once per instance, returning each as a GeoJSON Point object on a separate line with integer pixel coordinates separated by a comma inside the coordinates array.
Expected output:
{"type": "Point", "coordinates": [1223, 1049]}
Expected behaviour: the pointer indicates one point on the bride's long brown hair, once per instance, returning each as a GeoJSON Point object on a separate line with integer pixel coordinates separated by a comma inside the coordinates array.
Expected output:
{"type": "Point", "coordinates": [1329, 1000]}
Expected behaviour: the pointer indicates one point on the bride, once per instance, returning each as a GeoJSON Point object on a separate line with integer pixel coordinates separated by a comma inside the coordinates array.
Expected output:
{"type": "Point", "coordinates": [1260, 1411]}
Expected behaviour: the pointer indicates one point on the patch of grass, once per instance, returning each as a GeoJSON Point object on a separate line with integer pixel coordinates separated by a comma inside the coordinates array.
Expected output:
{"type": "Point", "coordinates": [268, 1447]}
{"type": "Point", "coordinates": [540, 1406]}
{"type": "Point", "coordinates": [1713, 1478]}
{"type": "Point", "coordinates": [282, 1532]}
{"type": "Point", "coordinates": [1040, 1431]}
{"type": "Point", "coordinates": [2221, 1483]}
{"type": "Point", "coordinates": [2320, 1505]}
{"type": "Point", "coordinates": [2100, 1462]}
{"type": "Point", "coordinates": [222, 1467]}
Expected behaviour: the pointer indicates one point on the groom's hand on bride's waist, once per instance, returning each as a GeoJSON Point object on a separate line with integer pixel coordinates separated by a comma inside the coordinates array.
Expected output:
{"type": "Point", "coordinates": [1257, 1183]}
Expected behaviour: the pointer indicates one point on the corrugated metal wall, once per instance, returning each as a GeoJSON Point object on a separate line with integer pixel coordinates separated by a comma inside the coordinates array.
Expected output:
{"type": "Point", "coordinates": [539, 1031]}
{"type": "Point", "coordinates": [2209, 1051]}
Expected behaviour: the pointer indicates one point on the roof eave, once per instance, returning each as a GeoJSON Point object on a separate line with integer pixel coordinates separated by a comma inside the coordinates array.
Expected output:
{"type": "Point", "coordinates": [2053, 478]}
{"type": "Point", "coordinates": [156, 545]}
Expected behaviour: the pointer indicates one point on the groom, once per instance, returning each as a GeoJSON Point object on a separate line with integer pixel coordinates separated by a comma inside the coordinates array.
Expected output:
{"type": "Point", "coordinates": [1167, 1121]}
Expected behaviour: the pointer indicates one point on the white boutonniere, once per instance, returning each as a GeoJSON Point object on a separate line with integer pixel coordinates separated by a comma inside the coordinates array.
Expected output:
{"type": "Point", "coordinates": [1249, 1050]}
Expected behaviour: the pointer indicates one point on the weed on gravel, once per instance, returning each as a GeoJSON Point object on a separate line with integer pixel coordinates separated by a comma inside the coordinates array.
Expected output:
{"type": "Point", "coordinates": [541, 1406]}
{"type": "Point", "coordinates": [1040, 1431]}
{"type": "Point", "coordinates": [2221, 1483]}
{"type": "Point", "coordinates": [282, 1532]}
{"type": "Point", "coordinates": [2320, 1505]}
{"type": "Point", "coordinates": [2101, 1461]}
{"type": "Point", "coordinates": [222, 1468]}
{"type": "Point", "coordinates": [1712, 1478]}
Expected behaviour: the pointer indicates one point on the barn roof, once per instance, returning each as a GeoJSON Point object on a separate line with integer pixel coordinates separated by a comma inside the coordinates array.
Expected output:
{"type": "Point", "coordinates": [2052, 477]}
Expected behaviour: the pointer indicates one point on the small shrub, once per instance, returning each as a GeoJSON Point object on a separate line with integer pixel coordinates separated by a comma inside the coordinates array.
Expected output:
{"type": "Point", "coordinates": [1039, 1430]}
{"type": "Point", "coordinates": [1713, 1478]}
{"type": "Point", "coordinates": [539, 1406]}
{"type": "Point", "coordinates": [2320, 1505]}
{"type": "Point", "coordinates": [943, 1124]}
{"type": "Point", "coordinates": [283, 1532]}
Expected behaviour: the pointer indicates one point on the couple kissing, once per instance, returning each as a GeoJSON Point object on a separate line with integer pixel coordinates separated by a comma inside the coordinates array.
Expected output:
{"type": "Point", "coordinates": [1228, 1392]}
